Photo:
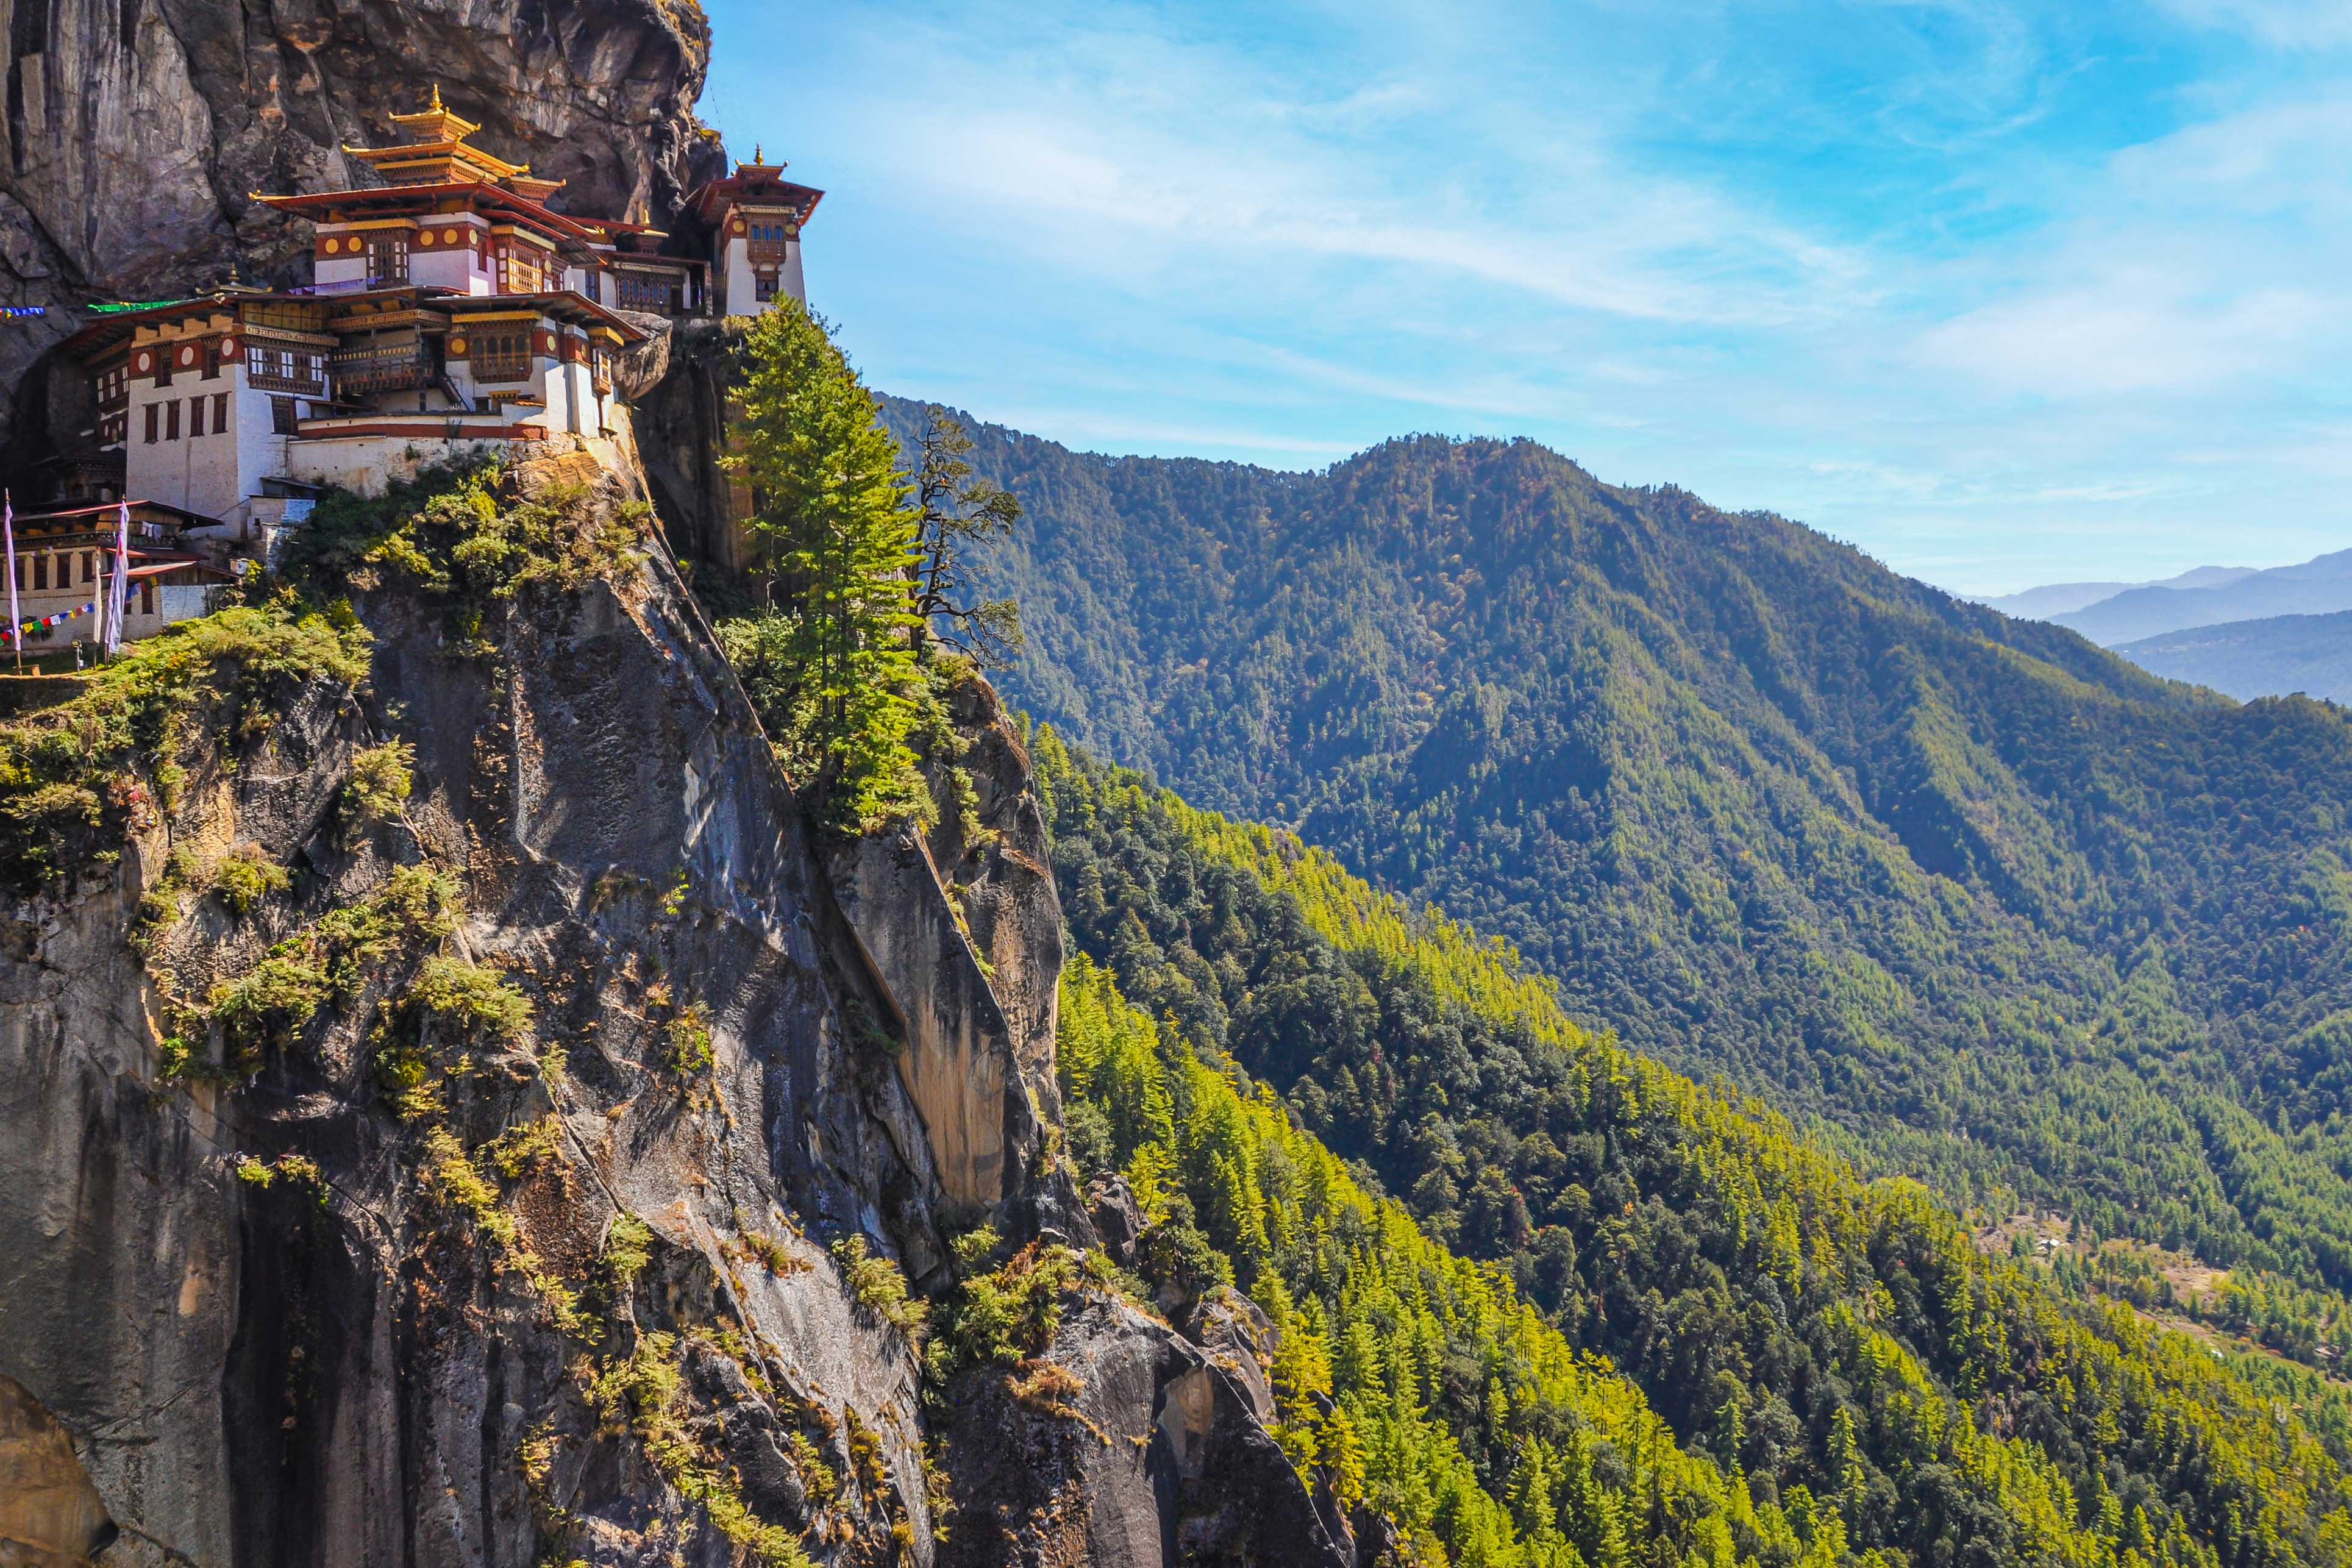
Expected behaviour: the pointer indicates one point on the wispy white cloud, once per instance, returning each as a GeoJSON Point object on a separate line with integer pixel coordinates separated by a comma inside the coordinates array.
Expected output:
{"type": "Point", "coordinates": [2282, 24]}
{"type": "Point", "coordinates": [1941, 275]}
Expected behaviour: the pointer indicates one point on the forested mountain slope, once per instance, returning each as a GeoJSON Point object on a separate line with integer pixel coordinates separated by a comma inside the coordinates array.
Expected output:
{"type": "Point", "coordinates": [1998, 908]}
{"type": "Point", "coordinates": [1871, 1384]}
{"type": "Point", "coordinates": [2310, 654]}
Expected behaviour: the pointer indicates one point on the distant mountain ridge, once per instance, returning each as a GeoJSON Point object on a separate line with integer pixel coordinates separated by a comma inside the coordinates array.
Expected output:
{"type": "Point", "coordinates": [1979, 902]}
{"type": "Point", "coordinates": [2062, 598]}
{"type": "Point", "coordinates": [2319, 586]}
{"type": "Point", "coordinates": [2247, 660]}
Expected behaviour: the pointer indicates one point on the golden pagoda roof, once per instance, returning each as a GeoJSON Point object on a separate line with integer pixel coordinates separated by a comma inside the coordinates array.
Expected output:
{"type": "Point", "coordinates": [436, 123]}
{"type": "Point", "coordinates": [433, 152]}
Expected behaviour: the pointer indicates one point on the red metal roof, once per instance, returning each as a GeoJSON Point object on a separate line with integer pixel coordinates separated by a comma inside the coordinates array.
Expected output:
{"type": "Point", "coordinates": [497, 195]}
{"type": "Point", "coordinates": [760, 183]}
{"type": "Point", "coordinates": [110, 507]}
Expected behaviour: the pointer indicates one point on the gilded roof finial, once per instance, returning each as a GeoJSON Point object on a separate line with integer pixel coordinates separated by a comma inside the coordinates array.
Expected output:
{"type": "Point", "coordinates": [437, 95]}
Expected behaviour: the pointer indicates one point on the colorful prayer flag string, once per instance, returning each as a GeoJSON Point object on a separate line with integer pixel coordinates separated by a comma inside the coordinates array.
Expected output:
{"type": "Point", "coordinates": [59, 619]}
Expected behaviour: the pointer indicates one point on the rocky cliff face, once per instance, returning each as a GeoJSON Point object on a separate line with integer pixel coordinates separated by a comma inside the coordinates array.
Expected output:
{"type": "Point", "coordinates": [135, 131]}
{"type": "Point", "coordinates": [677, 382]}
{"type": "Point", "coordinates": [530, 1165]}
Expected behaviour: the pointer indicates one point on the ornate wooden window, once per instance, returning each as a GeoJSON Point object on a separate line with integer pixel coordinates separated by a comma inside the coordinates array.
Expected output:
{"type": "Point", "coordinates": [767, 241]}
{"type": "Point", "coordinates": [272, 368]}
{"type": "Point", "coordinates": [500, 352]}
{"type": "Point", "coordinates": [387, 258]}
{"type": "Point", "coordinates": [656, 295]}
{"type": "Point", "coordinates": [519, 269]}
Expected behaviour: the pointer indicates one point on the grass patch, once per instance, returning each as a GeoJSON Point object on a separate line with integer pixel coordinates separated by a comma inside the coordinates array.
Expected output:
{"type": "Point", "coordinates": [770, 1253]}
{"type": "Point", "coordinates": [77, 778]}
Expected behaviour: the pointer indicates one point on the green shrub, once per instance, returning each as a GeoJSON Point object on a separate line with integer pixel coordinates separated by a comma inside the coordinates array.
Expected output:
{"type": "Point", "coordinates": [294, 1169]}
{"type": "Point", "coordinates": [641, 1394]}
{"type": "Point", "coordinates": [690, 1040]}
{"type": "Point", "coordinates": [456, 531]}
{"type": "Point", "coordinates": [414, 905]}
{"type": "Point", "coordinates": [472, 1000]}
{"type": "Point", "coordinates": [246, 875]}
{"type": "Point", "coordinates": [267, 1004]}
{"type": "Point", "coordinates": [522, 1149]}
{"type": "Point", "coordinates": [78, 775]}
{"type": "Point", "coordinates": [379, 782]}
{"type": "Point", "coordinates": [1003, 1317]}
{"type": "Point", "coordinates": [628, 1247]}
{"type": "Point", "coordinates": [878, 1285]}
{"type": "Point", "coordinates": [451, 1175]}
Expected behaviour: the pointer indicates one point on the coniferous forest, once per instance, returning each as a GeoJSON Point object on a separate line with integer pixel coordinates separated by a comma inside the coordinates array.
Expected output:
{"type": "Point", "coordinates": [1967, 898]}
{"type": "Point", "coordinates": [1818, 1368]}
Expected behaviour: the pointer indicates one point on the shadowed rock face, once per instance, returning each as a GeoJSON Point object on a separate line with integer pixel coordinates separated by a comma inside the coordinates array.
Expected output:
{"type": "Point", "coordinates": [137, 130]}
{"type": "Point", "coordinates": [678, 384]}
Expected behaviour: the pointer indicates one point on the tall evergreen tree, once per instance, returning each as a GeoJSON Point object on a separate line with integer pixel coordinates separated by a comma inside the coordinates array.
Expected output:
{"type": "Point", "coordinates": [834, 666]}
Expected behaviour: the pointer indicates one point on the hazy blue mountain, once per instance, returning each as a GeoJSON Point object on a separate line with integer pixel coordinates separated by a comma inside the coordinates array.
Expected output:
{"type": "Point", "coordinates": [2064, 598]}
{"type": "Point", "coordinates": [2269, 657]}
{"type": "Point", "coordinates": [2319, 586]}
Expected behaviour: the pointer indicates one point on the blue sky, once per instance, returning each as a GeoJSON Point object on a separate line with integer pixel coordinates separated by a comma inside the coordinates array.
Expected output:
{"type": "Point", "coordinates": [2002, 293]}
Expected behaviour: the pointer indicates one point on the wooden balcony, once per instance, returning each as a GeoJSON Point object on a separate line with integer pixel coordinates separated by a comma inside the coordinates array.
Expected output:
{"type": "Point", "coordinates": [497, 368]}
{"type": "Point", "coordinates": [394, 367]}
{"type": "Point", "coordinates": [301, 381]}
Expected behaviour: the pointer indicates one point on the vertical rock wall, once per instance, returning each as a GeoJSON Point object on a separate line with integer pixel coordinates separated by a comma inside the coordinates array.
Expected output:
{"type": "Point", "coordinates": [254, 1374]}
{"type": "Point", "coordinates": [364, 1293]}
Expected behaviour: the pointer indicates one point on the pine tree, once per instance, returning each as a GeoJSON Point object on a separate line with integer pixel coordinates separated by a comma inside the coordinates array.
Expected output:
{"type": "Point", "coordinates": [832, 521]}
{"type": "Point", "coordinates": [960, 514]}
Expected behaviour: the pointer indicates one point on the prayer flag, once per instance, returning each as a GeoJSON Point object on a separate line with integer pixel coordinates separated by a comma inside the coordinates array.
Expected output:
{"type": "Point", "coordinates": [8, 547]}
